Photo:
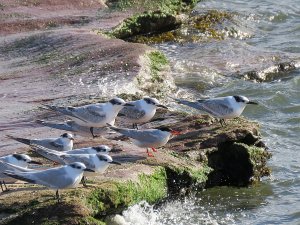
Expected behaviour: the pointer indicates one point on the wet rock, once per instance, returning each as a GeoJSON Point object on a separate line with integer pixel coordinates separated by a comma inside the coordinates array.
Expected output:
{"type": "Point", "coordinates": [271, 73]}
{"type": "Point", "coordinates": [229, 156]}
{"type": "Point", "coordinates": [146, 23]}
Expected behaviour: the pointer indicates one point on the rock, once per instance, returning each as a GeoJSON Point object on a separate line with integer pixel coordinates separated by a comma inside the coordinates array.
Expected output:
{"type": "Point", "coordinates": [116, 220]}
{"type": "Point", "coordinates": [205, 155]}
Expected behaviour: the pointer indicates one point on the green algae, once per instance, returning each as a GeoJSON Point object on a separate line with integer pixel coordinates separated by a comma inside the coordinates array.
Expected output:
{"type": "Point", "coordinates": [113, 196]}
{"type": "Point", "coordinates": [207, 22]}
{"type": "Point", "coordinates": [145, 23]}
{"type": "Point", "coordinates": [171, 6]}
{"type": "Point", "coordinates": [158, 61]}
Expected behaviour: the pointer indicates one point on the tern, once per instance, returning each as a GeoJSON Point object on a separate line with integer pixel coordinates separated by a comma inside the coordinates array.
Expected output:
{"type": "Point", "coordinates": [223, 107]}
{"type": "Point", "coordinates": [97, 162]}
{"type": "Point", "coordinates": [93, 115]}
{"type": "Point", "coordinates": [142, 110]}
{"type": "Point", "coordinates": [63, 143]}
{"type": "Point", "coordinates": [19, 160]}
{"type": "Point", "coordinates": [67, 176]}
{"type": "Point", "coordinates": [103, 149]}
{"type": "Point", "coordinates": [148, 138]}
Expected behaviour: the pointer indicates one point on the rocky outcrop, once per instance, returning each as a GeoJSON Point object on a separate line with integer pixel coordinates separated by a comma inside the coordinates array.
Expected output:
{"type": "Point", "coordinates": [204, 155]}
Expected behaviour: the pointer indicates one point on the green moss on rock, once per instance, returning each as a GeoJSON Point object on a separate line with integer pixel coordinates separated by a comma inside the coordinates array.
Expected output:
{"type": "Point", "coordinates": [170, 6]}
{"type": "Point", "coordinates": [115, 195]}
{"type": "Point", "coordinates": [145, 23]}
{"type": "Point", "coordinates": [157, 63]}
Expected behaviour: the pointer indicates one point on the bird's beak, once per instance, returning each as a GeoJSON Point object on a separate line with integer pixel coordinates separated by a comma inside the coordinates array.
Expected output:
{"type": "Point", "coordinates": [114, 162]}
{"type": "Point", "coordinates": [89, 170]}
{"type": "Point", "coordinates": [162, 106]}
{"type": "Point", "coordinates": [35, 162]}
{"type": "Point", "coordinates": [175, 132]}
{"type": "Point", "coordinates": [128, 104]}
{"type": "Point", "coordinates": [252, 103]}
{"type": "Point", "coordinates": [72, 139]}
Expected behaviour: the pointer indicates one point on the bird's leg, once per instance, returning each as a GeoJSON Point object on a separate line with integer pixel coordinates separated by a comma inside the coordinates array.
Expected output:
{"type": "Point", "coordinates": [92, 132]}
{"type": "Point", "coordinates": [154, 150]}
{"type": "Point", "coordinates": [1, 186]}
{"type": "Point", "coordinates": [6, 189]}
{"type": "Point", "coordinates": [57, 196]}
{"type": "Point", "coordinates": [149, 153]}
{"type": "Point", "coordinates": [83, 181]}
{"type": "Point", "coordinates": [222, 122]}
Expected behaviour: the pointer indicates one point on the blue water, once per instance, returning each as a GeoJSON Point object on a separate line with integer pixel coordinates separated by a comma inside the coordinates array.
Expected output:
{"type": "Point", "coordinates": [268, 31]}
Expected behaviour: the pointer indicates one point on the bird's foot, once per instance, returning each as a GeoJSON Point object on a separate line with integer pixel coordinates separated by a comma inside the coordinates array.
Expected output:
{"type": "Point", "coordinates": [154, 150]}
{"type": "Point", "coordinates": [92, 132]}
{"type": "Point", "coordinates": [149, 153]}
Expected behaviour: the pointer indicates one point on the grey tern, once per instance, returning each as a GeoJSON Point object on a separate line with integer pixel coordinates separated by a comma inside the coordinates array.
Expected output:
{"type": "Point", "coordinates": [67, 176]}
{"type": "Point", "coordinates": [97, 162]}
{"type": "Point", "coordinates": [223, 107]}
{"type": "Point", "coordinates": [93, 115]}
{"type": "Point", "coordinates": [62, 143]}
{"type": "Point", "coordinates": [142, 110]}
{"type": "Point", "coordinates": [148, 138]}
{"type": "Point", "coordinates": [19, 160]}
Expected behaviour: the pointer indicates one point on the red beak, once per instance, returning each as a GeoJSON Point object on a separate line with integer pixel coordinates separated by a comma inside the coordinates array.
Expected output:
{"type": "Point", "coordinates": [175, 132]}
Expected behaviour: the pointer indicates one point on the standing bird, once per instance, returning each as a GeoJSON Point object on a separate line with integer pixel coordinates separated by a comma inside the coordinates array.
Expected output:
{"type": "Point", "coordinates": [93, 115]}
{"type": "Point", "coordinates": [20, 160]}
{"type": "Point", "coordinates": [67, 176]}
{"type": "Point", "coordinates": [142, 110]}
{"type": "Point", "coordinates": [222, 107]}
{"type": "Point", "coordinates": [97, 162]}
{"type": "Point", "coordinates": [148, 138]}
{"type": "Point", "coordinates": [63, 143]}
{"type": "Point", "coordinates": [54, 155]}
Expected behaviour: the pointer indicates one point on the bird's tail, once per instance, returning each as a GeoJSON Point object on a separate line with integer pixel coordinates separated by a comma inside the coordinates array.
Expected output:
{"type": "Point", "coordinates": [49, 154]}
{"type": "Point", "coordinates": [59, 126]}
{"type": "Point", "coordinates": [22, 140]}
{"type": "Point", "coordinates": [18, 176]}
{"type": "Point", "coordinates": [113, 127]}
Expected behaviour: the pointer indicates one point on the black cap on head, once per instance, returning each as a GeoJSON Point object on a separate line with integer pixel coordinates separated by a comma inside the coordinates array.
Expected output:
{"type": "Point", "coordinates": [239, 98]}
{"type": "Point", "coordinates": [65, 135]}
{"type": "Point", "coordinates": [116, 101]}
{"type": "Point", "coordinates": [18, 157]}
{"type": "Point", "coordinates": [149, 100]}
{"type": "Point", "coordinates": [99, 149]}
{"type": "Point", "coordinates": [102, 157]}
{"type": "Point", "coordinates": [165, 129]}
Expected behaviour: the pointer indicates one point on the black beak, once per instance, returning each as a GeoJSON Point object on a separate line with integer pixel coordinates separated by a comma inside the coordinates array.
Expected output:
{"type": "Point", "coordinates": [89, 170]}
{"type": "Point", "coordinates": [35, 162]}
{"type": "Point", "coordinates": [114, 162]}
{"type": "Point", "coordinates": [162, 106]}
{"type": "Point", "coordinates": [128, 104]}
{"type": "Point", "coordinates": [252, 103]}
{"type": "Point", "coordinates": [72, 139]}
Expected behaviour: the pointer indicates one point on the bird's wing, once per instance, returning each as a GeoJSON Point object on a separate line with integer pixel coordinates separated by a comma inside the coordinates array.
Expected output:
{"type": "Point", "coordinates": [216, 107]}
{"type": "Point", "coordinates": [53, 178]}
{"type": "Point", "coordinates": [89, 113]}
{"type": "Point", "coordinates": [11, 167]}
{"type": "Point", "coordinates": [84, 158]}
{"type": "Point", "coordinates": [57, 144]}
{"type": "Point", "coordinates": [132, 112]}
{"type": "Point", "coordinates": [49, 153]}
{"type": "Point", "coordinates": [52, 143]}
{"type": "Point", "coordinates": [194, 105]}
{"type": "Point", "coordinates": [141, 135]}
